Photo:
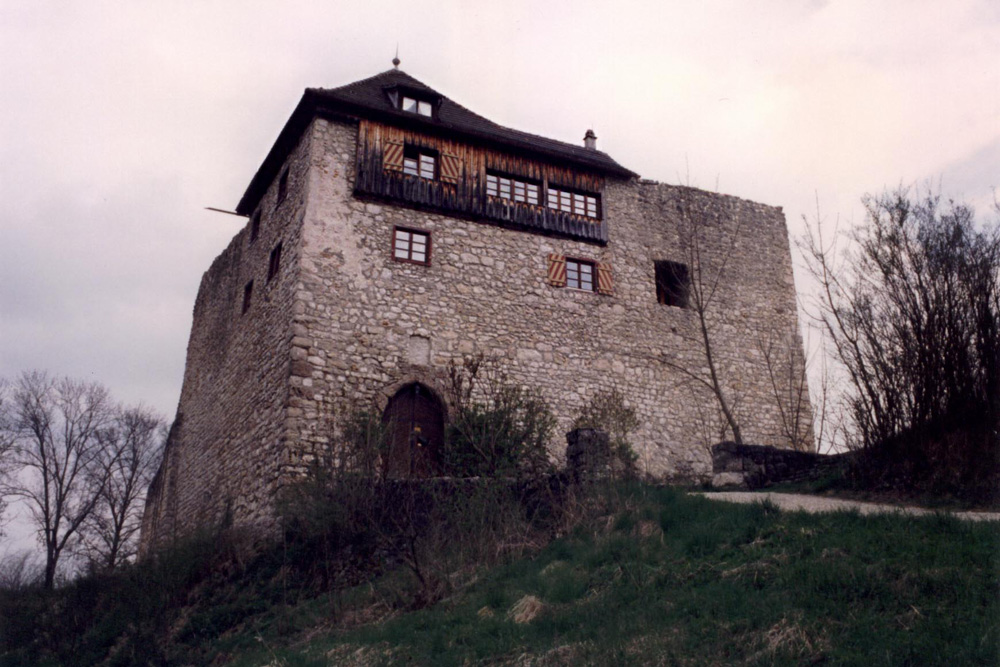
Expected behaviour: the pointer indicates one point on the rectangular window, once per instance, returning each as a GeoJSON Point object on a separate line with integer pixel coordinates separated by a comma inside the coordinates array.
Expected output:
{"type": "Point", "coordinates": [274, 263]}
{"type": "Point", "coordinates": [580, 274]}
{"type": "Point", "coordinates": [254, 226]}
{"type": "Point", "coordinates": [410, 245]}
{"type": "Point", "coordinates": [416, 106]}
{"type": "Point", "coordinates": [512, 189]}
{"type": "Point", "coordinates": [577, 203]}
{"type": "Point", "coordinates": [419, 162]}
{"type": "Point", "coordinates": [247, 295]}
{"type": "Point", "coordinates": [672, 283]}
{"type": "Point", "coordinates": [282, 187]}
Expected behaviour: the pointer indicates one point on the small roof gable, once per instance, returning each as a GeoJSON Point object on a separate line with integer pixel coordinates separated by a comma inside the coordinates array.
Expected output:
{"type": "Point", "coordinates": [370, 98]}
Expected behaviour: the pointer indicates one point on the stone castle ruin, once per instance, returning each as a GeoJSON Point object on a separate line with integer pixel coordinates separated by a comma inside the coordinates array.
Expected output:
{"type": "Point", "coordinates": [391, 232]}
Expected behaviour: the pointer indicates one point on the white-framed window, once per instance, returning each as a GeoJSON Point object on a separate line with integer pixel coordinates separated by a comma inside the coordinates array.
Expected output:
{"type": "Point", "coordinates": [411, 245]}
{"type": "Point", "coordinates": [419, 162]}
{"type": "Point", "coordinates": [577, 203]}
{"type": "Point", "coordinates": [504, 187]}
{"type": "Point", "coordinates": [580, 274]}
{"type": "Point", "coordinates": [413, 105]}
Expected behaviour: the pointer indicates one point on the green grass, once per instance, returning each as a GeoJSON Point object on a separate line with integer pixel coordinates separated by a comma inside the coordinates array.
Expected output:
{"type": "Point", "coordinates": [683, 580]}
{"type": "Point", "coordinates": [666, 578]}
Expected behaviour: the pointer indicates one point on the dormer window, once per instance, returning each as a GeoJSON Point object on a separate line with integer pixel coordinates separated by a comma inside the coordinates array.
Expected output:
{"type": "Point", "coordinates": [413, 105]}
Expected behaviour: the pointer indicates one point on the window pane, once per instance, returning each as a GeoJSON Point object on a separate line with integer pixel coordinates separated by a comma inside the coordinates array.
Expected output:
{"type": "Point", "coordinates": [409, 104]}
{"type": "Point", "coordinates": [427, 166]}
{"type": "Point", "coordinates": [505, 188]}
{"type": "Point", "coordinates": [491, 185]}
{"type": "Point", "coordinates": [424, 108]}
{"type": "Point", "coordinates": [519, 191]}
{"type": "Point", "coordinates": [410, 166]}
{"type": "Point", "coordinates": [572, 274]}
{"type": "Point", "coordinates": [565, 202]}
{"type": "Point", "coordinates": [533, 194]}
{"type": "Point", "coordinates": [592, 207]}
{"type": "Point", "coordinates": [418, 256]}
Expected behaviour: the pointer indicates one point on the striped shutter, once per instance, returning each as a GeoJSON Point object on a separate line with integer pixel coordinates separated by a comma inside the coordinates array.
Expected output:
{"type": "Point", "coordinates": [604, 282]}
{"type": "Point", "coordinates": [451, 168]}
{"type": "Point", "coordinates": [392, 156]}
{"type": "Point", "coordinates": [557, 270]}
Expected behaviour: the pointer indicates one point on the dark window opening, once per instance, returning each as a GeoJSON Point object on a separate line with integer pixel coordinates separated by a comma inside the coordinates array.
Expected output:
{"type": "Point", "coordinates": [247, 295]}
{"type": "Point", "coordinates": [577, 203]}
{"type": "Point", "coordinates": [255, 227]}
{"type": "Point", "coordinates": [672, 283]}
{"type": "Point", "coordinates": [410, 245]}
{"type": "Point", "coordinates": [274, 262]}
{"type": "Point", "coordinates": [282, 187]}
{"type": "Point", "coordinates": [505, 187]}
{"type": "Point", "coordinates": [420, 162]}
{"type": "Point", "coordinates": [580, 275]}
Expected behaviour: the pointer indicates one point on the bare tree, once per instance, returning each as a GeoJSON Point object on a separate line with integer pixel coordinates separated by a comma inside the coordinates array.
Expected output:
{"type": "Point", "coordinates": [6, 447]}
{"type": "Point", "coordinates": [789, 384]}
{"type": "Point", "coordinates": [130, 452]}
{"type": "Point", "coordinates": [19, 571]}
{"type": "Point", "coordinates": [704, 276]}
{"type": "Point", "coordinates": [60, 471]}
{"type": "Point", "coordinates": [911, 310]}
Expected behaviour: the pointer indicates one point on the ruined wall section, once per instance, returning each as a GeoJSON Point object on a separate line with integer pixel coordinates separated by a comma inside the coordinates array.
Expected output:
{"type": "Point", "coordinates": [366, 324]}
{"type": "Point", "coordinates": [738, 252]}
{"type": "Point", "coordinates": [224, 457]}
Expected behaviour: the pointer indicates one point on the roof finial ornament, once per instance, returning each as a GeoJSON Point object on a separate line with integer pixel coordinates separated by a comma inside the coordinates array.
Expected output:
{"type": "Point", "coordinates": [395, 60]}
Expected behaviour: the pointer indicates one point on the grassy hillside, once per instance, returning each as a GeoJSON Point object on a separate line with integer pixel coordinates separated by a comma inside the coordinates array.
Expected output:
{"type": "Point", "coordinates": [643, 576]}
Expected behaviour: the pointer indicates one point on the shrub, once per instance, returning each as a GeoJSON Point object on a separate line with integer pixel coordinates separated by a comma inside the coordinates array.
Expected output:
{"type": "Point", "coordinates": [608, 412]}
{"type": "Point", "coordinates": [498, 428]}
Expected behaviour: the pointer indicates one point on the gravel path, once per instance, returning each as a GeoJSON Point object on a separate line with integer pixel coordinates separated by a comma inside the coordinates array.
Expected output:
{"type": "Point", "coordinates": [797, 501]}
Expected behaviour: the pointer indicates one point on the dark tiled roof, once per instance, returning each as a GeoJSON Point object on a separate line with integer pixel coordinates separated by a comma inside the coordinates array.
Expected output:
{"type": "Point", "coordinates": [368, 98]}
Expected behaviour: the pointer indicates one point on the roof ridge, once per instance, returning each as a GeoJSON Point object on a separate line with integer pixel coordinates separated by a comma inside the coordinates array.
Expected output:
{"type": "Point", "coordinates": [362, 82]}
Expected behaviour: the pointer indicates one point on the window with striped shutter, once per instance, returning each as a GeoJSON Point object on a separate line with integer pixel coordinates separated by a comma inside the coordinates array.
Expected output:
{"type": "Point", "coordinates": [392, 156]}
{"type": "Point", "coordinates": [451, 168]}
{"type": "Point", "coordinates": [557, 270]}
{"type": "Point", "coordinates": [604, 282]}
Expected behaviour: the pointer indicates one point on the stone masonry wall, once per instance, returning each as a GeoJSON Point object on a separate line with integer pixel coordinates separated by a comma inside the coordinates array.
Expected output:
{"type": "Point", "coordinates": [228, 443]}
{"type": "Point", "coordinates": [343, 325]}
{"type": "Point", "coordinates": [366, 324]}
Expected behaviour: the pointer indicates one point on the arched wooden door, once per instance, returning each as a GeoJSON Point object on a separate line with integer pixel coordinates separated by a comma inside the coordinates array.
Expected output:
{"type": "Point", "coordinates": [416, 429]}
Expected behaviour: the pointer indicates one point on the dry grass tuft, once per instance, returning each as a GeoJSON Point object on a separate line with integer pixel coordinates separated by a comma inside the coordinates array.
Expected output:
{"type": "Point", "coordinates": [526, 609]}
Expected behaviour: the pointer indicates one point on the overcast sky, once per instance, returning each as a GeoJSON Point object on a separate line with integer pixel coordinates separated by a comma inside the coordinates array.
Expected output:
{"type": "Point", "coordinates": [120, 121]}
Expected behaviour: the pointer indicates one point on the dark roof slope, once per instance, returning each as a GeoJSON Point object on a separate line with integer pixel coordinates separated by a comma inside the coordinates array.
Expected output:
{"type": "Point", "coordinates": [368, 99]}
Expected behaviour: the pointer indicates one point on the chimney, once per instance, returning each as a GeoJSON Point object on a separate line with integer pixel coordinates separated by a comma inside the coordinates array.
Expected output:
{"type": "Point", "coordinates": [590, 140]}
